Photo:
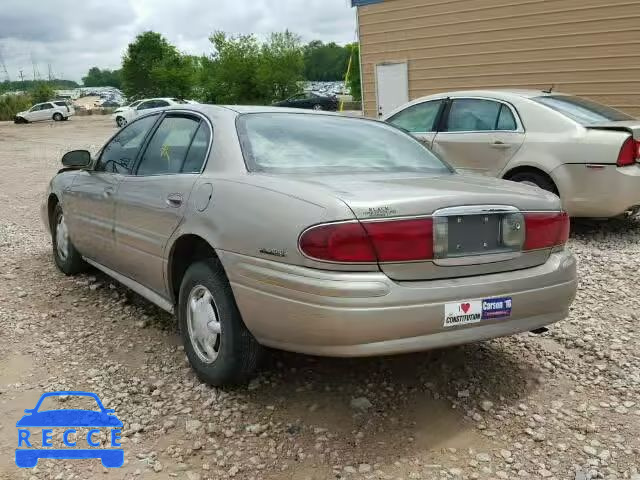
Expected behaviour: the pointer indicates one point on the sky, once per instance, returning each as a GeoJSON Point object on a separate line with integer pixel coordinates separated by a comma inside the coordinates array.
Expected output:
{"type": "Point", "coordinates": [73, 36]}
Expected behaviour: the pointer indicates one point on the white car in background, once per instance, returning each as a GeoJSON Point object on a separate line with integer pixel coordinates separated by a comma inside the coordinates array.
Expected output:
{"type": "Point", "coordinates": [56, 110]}
{"type": "Point", "coordinates": [124, 115]}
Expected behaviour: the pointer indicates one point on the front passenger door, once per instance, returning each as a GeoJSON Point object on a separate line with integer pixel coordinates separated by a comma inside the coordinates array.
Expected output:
{"type": "Point", "coordinates": [90, 202]}
{"type": "Point", "coordinates": [151, 204]}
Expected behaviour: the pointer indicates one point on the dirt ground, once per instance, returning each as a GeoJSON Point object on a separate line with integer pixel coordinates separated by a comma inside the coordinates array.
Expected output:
{"type": "Point", "coordinates": [563, 405]}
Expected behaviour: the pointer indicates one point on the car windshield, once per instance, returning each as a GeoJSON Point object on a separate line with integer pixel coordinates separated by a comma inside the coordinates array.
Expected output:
{"type": "Point", "coordinates": [304, 143]}
{"type": "Point", "coordinates": [582, 110]}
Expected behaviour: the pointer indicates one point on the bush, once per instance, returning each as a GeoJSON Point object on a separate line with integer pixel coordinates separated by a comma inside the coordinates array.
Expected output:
{"type": "Point", "coordinates": [12, 104]}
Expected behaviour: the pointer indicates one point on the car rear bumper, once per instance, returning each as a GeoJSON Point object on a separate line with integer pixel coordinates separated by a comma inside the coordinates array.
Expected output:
{"type": "Point", "coordinates": [364, 314]}
{"type": "Point", "coordinates": [598, 191]}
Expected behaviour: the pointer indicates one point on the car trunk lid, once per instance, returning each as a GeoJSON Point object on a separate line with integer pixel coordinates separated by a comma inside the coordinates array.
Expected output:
{"type": "Point", "coordinates": [471, 209]}
{"type": "Point", "coordinates": [630, 126]}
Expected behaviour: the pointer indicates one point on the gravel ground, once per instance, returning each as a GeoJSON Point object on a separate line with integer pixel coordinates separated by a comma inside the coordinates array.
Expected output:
{"type": "Point", "coordinates": [564, 405]}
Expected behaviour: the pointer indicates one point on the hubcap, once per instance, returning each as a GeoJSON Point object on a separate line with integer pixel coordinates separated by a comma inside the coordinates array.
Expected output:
{"type": "Point", "coordinates": [203, 324]}
{"type": "Point", "coordinates": [317, 107]}
{"type": "Point", "coordinates": [121, 122]}
{"type": "Point", "coordinates": [62, 238]}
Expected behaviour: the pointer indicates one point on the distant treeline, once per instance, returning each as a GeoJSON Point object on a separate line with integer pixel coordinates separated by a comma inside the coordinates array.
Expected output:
{"type": "Point", "coordinates": [31, 84]}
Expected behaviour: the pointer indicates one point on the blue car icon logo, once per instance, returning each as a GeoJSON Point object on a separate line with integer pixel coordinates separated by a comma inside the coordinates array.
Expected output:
{"type": "Point", "coordinates": [32, 447]}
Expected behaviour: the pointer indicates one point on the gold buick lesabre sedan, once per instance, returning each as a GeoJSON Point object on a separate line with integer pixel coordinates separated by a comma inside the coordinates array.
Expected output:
{"type": "Point", "coordinates": [308, 232]}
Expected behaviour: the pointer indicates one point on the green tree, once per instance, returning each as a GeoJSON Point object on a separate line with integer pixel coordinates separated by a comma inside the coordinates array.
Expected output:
{"type": "Point", "coordinates": [325, 62]}
{"type": "Point", "coordinates": [12, 104]}
{"type": "Point", "coordinates": [229, 74]}
{"type": "Point", "coordinates": [353, 82]}
{"type": "Point", "coordinates": [152, 67]}
{"type": "Point", "coordinates": [42, 92]}
{"type": "Point", "coordinates": [102, 78]}
{"type": "Point", "coordinates": [280, 67]}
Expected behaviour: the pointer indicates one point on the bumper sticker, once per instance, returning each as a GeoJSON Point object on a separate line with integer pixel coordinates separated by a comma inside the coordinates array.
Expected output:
{"type": "Point", "coordinates": [494, 308]}
{"type": "Point", "coordinates": [462, 313]}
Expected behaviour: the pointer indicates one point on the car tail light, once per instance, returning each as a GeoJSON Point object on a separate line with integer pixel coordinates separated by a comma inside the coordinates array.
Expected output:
{"type": "Point", "coordinates": [368, 242]}
{"type": "Point", "coordinates": [629, 153]}
{"type": "Point", "coordinates": [546, 230]}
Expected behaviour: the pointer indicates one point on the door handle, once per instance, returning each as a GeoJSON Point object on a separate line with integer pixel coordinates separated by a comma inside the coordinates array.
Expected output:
{"type": "Point", "coordinates": [500, 144]}
{"type": "Point", "coordinates": [174, 200]}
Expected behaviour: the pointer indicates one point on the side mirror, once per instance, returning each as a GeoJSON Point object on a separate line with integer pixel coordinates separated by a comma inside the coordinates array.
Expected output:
{"type": "Point", "coordinates": [77, 159]}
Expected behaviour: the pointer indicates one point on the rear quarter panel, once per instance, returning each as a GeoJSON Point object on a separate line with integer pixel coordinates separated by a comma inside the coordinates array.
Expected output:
{"type": "Point", "coordinates": [260, 220]}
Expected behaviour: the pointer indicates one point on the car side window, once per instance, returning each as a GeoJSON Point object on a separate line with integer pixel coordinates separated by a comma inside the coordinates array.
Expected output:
{"type": "Point", "coordinates": [506, 120]}
{"type": "Point", "coordinates": [198, 150]}
{"type": "Point", "coordinates": [167, 150]}
{"type": "Point", "coordinates": [119, 155]}
{"type": "Point", "coordinates": [161, 103]}
{"type": "Point", "coordinates": [35, 108]}
{"type": "Point", "coordinates": [420, 118]}
{"type": "Point", "coordinates": [46, 106]}
{"type": "Point", "coordinates": [145, 105]}
{"type": "Point", "coordinates": [473, 115]}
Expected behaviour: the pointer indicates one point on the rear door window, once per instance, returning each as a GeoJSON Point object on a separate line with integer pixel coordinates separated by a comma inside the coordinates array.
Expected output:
{"type": "Point", "coordinates": [420, 118]}
{"type": "Point", "coordinates": [167, 150]}
{"type": "Point", "coordinates": [506, 120]}
{"type": "Point", "coordinates": [473, 115]}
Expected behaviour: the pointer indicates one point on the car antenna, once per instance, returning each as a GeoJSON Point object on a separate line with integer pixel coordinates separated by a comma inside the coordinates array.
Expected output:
{"type": "Point", "coordinates": [550, 91]}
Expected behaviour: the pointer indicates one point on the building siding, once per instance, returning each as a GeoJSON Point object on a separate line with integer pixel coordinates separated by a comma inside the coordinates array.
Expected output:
{"type": "Point", "coordinates": [585, 47]}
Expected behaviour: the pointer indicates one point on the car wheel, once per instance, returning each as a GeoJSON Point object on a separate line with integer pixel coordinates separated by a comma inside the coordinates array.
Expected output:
{"type": "Point", "coordinates": [67, 258]}
{"type": "Point", "coordinates": [218, 345]}
{"type": "Point", "coordinates": [57, 117]}
{"type": "Point", "coordinates": [317, 108]}
{"type": "Point", "coordinates": [121, 121]}
{"type": "Point", "coordinates": [535, 179]}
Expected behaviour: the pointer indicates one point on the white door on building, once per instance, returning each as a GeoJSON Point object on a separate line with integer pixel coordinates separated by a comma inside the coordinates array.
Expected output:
{"type": "Point", "coordinates": [392, 83]}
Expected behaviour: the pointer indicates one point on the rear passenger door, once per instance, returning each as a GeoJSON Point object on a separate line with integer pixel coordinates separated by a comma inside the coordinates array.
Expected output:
{"type": "Point", "coordinates": [479, 135]}
{"type": "Point", "coordinates": [151, 203]}
{"type": "Point", "coordinates": [420, 120]}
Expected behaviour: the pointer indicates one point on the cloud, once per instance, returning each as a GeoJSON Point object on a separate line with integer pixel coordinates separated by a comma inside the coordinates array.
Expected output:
{"type": "Point", "coordinates": [73, 36]}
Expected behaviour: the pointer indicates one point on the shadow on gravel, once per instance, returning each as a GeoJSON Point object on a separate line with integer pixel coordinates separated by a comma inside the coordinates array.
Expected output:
{"type": "Point", "coordinates": [587, 227]}
{"type": "Point", "coordinates": [417, 402]}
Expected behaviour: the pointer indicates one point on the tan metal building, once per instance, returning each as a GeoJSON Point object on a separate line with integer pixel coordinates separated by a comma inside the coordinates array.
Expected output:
{"type": "Point", "coordinates": [413, 48]}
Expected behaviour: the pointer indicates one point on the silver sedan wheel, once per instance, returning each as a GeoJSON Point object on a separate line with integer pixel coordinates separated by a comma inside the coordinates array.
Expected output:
{"type": "Point", "coordinates": [62, 238]}
{"type": "Point", "coordinates": [204, 325]}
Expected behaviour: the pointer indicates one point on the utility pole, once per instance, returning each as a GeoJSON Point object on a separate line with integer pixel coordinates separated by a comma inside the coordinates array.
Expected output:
{"type": "Point", "coordinates": [22, 79]}
{"type": "Point", "coordinates": [50, 72]}
{"type": "Point", "coordinates": [4, 67]}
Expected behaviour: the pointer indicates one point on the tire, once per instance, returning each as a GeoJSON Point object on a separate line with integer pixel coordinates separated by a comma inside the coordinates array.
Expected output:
{"type": "Point", "coordinates": [318, 108]}
{"type": "Point", "coordinates": [535, 178]}
{"type": "Point", "coordinates": [57, 117]}
{"type": "Point", "coordinates": [68, 260]}
{"type": "Point", "coordinates": [233, 354]}
{"type": "Point", "coordinates": [121, 122]}
{"type": "Point", "coordinates": [20, 120]}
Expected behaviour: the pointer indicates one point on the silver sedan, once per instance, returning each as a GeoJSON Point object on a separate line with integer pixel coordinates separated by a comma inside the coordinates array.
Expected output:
{"type": "Point", "coordinates": [583, 151]}
{"type": "Point", "coordinates": [308, 232]}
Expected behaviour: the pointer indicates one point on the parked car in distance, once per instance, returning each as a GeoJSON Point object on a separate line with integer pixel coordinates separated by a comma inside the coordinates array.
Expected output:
{"type": "Point", "coordinates": [56, 110]}
{"type": "Point", "coordinates": [267, 234]}
{"type": "Point", "coordinates": [310, 101]}
{"type": "Point", "coordinates": [585, 152]}
{"type": "Point", "coordinates": [124, 115]}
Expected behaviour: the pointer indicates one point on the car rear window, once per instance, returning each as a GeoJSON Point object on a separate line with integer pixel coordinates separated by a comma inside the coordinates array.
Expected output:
{"type": "Point", "coordinates": [583, 111]}
{"type": "Point", "coordinates": [307, 143]}
{"type": "Point", "coordinates": [61, 104]}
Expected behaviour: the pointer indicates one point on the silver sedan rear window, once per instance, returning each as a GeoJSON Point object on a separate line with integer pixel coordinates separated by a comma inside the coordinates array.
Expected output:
{"type": "Point", "coordinates": [307, 143]}
{"type": "Point", "coordinates": [583, 111]}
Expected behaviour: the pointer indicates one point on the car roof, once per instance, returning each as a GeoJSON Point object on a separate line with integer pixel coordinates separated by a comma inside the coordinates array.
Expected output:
{"type": "Point", "coordinates": [243, 109]}
{"type": "Point", "coordinates": [501, 94]}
